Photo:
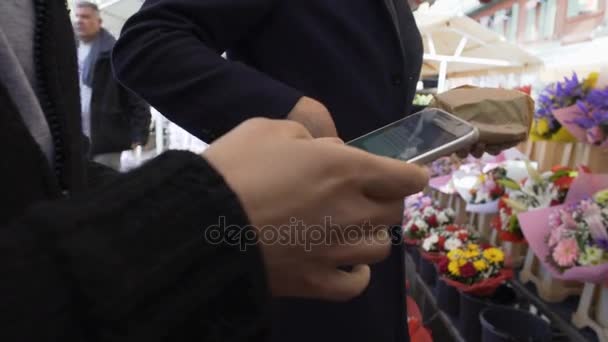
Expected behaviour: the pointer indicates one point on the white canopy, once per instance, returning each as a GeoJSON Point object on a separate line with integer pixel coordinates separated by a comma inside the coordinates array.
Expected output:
{"type": "Point", "coordinates": [459, 46]}
{"type": "Point", "coordinates": [116, 12]}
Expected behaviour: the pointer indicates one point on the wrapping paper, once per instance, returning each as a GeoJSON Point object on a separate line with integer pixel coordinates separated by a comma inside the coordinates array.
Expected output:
{"type": "Point", "coordinates": [431, 256]}
{"type": "Point", "coordinates": [418, 333]}
{"type": "Point", "coordinates": [464, 181]}
{"type": "Point", "coordinates": [442, 184]}
{"type": "Point", "coordinates": [535, 226]}
{"type": "Point", "coordinates": [484, 288]}
{"type": "Point", "coordinates": [503, 117]}
{"type": "Point", "coordinates": [565, 117]}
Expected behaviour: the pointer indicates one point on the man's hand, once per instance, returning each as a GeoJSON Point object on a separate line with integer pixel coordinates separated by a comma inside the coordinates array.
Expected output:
{"type": "Point", "coordinates": [297, 191]}
{"type": "Point", "coordinates": [314, 116]}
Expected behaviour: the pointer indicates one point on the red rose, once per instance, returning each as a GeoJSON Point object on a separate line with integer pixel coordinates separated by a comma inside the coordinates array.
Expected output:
{"type": "Point", "coordinates": [558, 168]}
{"type": "Point", "coordinates": [441, 243]}
{"type": "Point", "coordinates": [564, 182]}
{"type": "Point", "coordinates": [497, 192]}
{"type": "Point", "coordinates": [432, 221]}
{"type": "Point", "coordinates": [443, 264]}
{"type": "Point", "coordinates": [485, 246]}
{"type": "Point", "coordinates": [452, 228]}
{"type": "Point", "coordinates": [502, 204]}
{"type": "Point", "coordinates": [414, 229]}
{"type": "Point", "coordinates": [464, 236]}
{"type": "Point", "coordinates": [555, 202]}
{"type": "Point", "coordinates": [468, 270]}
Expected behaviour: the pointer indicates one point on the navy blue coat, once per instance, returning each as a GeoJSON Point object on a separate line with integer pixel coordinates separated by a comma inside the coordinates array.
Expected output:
{"type": "Point", "coordinates": [361, 58]}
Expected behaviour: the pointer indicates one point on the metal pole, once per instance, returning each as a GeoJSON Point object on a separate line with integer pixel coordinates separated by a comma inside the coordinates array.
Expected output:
{"type": "Point", "coordinates": [443, 74]}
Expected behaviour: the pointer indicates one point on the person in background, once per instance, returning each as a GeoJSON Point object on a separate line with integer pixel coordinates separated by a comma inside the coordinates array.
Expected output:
{"type": "Point", "coordinates": [113, 118]}
{"type": "Point", "coordinates": [90, 254]}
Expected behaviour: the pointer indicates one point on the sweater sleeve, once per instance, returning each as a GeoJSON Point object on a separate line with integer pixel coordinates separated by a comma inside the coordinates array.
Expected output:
{"type": "Point", "coordinates": [135, 260]}
{"type": "Point", "coordinates": [170, 54]}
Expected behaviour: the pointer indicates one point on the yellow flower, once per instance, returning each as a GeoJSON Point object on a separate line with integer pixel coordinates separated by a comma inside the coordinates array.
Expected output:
{"type": "Point", "coordinates": [455, 254]}
{"type": "Point", "coordinates": [601, 197]}
{"type": "Point", "coordinates": [591, 81]}
{"type": "Point", "coordinates": [461, 262]}
{"type": "Point", "coordinates": [542, 126]}
{"type": "Point", "coordinates": [494, 255]}
{"type": "Point", "coordinates": [473, 247]}
{"type": "Point", "coordinates": [471, 254]}
{"type": "Point", "coordinates": [454, 268]}
{"type": "Point", "coordinates": [480, 265]}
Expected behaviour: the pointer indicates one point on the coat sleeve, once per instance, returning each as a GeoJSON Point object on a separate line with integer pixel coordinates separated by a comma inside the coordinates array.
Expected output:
{"type": "Point", "coordinates": [170, 54]}
{"type": "Point", "coordinates": [135, 258]}
{"type": "Point", "coordinates": [139, 117]}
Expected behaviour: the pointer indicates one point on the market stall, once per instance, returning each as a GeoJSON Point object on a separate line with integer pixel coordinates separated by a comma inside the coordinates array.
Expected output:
{"type": "Point", "coordinates": [458, 46]}
{"type": "Point", "coordinates": [508, 246]}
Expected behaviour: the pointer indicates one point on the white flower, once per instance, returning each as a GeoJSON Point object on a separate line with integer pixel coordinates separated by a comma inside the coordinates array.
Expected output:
{"type": "Point", "coordinates": [429, 211]}
{"type": "Point", "coordinates": [450, 212]}
{"type": "Point", "coordinates": [443, 218]}
{"type": "Point", "coordinates": [452, 243]}
{"type": "Point", "coordinates": [421, 224]}
{"type": "Point", "coordinates": [429, 242]}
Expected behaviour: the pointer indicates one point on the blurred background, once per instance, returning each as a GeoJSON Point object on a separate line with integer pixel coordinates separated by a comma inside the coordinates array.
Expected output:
{"type": "Point", "coordinates": [521, 44]}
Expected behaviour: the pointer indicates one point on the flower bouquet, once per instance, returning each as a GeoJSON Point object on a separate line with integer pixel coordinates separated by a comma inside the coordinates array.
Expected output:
{"type": "Point", "coordinates": [588, 120]}
{"type": "Point", "coordinates": [579, 234]}
{"type": "Point", "coordinates": [536, 191]}
{"type": "Point", "coordinates": [572, 239]}
{"type": "Point", "coordinates": [421, 216]}
{"type": "Point", "coordinates": [444, 166]}
{"type": "Point", "coordinates": [474, 269]}
{"type": "Point", "coordinates": [488, 187]}
{"type": "Point", "coordinates": [447, 239]}
{"type": "Point", "coordinates": [559, 96]}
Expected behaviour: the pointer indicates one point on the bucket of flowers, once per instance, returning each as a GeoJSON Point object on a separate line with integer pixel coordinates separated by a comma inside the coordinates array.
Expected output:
{"type": "Point", "coordinates": [419, 217]}
{"type": "Point", "coordinates": [437, 243]}
{"type": "Point", "coordinates": [473, 270]}
{"type": "Point", "coordinates": [419, 221]}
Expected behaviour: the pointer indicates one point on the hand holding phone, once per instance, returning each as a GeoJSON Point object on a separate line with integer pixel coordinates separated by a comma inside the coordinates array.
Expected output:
{"type": "Point", "coordinates": [420, 138]}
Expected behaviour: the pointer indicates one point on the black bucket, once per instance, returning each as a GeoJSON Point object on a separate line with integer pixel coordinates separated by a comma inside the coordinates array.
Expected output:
{"type": "Point", "coordinates": [471, 306]}
{"type": "Point", "coordinates": [428, 272]}
{"type": "Point", "coordinates": [502, 324]}
{"type": "Point", "coordinates": [448, 298]}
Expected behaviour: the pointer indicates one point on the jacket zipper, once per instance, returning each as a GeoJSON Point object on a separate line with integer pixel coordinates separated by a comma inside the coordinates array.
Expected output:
{"type": "Point", "coordinates": [46, 101]}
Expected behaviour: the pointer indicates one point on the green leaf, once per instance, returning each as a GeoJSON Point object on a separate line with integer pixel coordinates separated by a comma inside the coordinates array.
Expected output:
{"type": "Point", "coordinates": [515, 205]}
{"type": "Point", "coordinates": [509, 184]}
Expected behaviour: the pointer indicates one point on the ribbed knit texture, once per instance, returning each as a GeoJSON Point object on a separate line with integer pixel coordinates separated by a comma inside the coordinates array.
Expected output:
{"type": "Point", "coordinates": [129, 262]}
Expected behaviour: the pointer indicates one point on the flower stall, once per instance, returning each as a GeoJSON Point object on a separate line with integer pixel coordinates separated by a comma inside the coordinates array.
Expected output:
{"type": "Point", "coordinates": [522, 233]}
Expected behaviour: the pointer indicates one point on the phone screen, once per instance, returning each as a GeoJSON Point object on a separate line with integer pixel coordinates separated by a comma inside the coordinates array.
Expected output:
{"type": "Point", "coordinates": [413, 136]}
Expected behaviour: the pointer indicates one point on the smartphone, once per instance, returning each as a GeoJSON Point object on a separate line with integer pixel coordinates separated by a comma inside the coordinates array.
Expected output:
{"type": "Point", "coordinates": [420, 138]}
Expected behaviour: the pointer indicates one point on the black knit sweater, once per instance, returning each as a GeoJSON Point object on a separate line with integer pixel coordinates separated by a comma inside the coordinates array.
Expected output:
{"type": "Point", "coordinates": [90, 255]}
